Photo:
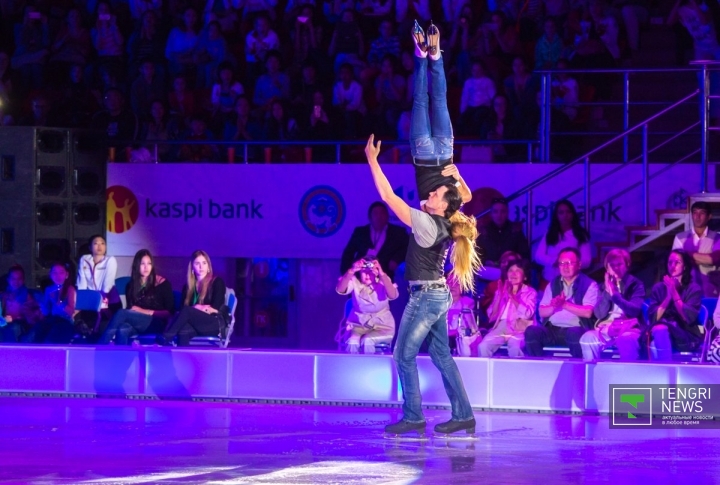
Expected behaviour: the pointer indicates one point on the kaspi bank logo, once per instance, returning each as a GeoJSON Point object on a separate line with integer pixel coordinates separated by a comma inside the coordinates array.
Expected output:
{"type": "Point", "coordinates": [122, 209]}
{"type": "Point", "coordinates": [322, 211]}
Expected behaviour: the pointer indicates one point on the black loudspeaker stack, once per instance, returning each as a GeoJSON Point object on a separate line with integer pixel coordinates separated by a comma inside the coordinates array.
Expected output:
{"type": "Point", "coordinates": [52, 197]}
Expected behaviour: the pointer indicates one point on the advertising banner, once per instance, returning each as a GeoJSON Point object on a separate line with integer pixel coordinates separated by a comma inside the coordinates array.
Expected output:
{"type": "Point", "coordinates": [310, 211]}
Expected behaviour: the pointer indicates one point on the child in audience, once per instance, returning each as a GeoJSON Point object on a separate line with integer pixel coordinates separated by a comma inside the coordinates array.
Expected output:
{"type": "Point", "coordinates": [58, 307]}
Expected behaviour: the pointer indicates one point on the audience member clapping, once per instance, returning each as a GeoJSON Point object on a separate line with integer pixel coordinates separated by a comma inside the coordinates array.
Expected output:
{"type": "Point", "coordinates": [674, 307]}
{"type": "Point", "coordinates": [566, 308]}
{"type": "Point", "coordinates": [511, 312]}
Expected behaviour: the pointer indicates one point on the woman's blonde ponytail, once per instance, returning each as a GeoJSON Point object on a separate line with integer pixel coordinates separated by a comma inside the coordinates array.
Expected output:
{"type": "Point", "coordinates": [464, 254]}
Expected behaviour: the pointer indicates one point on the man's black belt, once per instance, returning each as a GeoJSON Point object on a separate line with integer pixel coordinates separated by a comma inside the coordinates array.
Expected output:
{"type": "Point", "coordinates": [424, 162]}
{"type": "Point", "coordinates": [431, 286]}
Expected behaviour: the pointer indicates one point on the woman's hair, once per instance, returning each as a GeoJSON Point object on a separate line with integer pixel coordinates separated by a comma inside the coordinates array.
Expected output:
{"type": "Point", "coordinates": [553, 235]}
{"type": "Point", "coordinates": [135, 278]}
{"type": "Point", "coordinates": [464, 254]}
{"type": "Point", "coordinates": [686, 276]}
{"type": "Point", "coordinates": [520, 263]}
{"type": "Point", "coordinates": [192, 281]}
{"type": "Point", "coordinates": [67, 283]}
{"type": "Point", "coordinates": [617, 253]}
{"type": "Point", "coordinates": [95, 236]}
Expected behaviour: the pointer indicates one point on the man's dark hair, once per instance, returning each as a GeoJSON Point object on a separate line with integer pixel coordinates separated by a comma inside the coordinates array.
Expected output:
{"type": "Point", "coordinates": [499, 200]}
{"type": "Point", "coordinates": [378, 204]}
{"type": "Point", "coordinates": [570, 249]}
{"type": "Point", "coordinates": [705, 206]}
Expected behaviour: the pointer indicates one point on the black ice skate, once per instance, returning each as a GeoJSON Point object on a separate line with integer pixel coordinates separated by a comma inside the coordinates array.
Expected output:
{"type": "Point", "coordinates": [449, 429]}
{"type": "Point", "coordinates": [404, 430]}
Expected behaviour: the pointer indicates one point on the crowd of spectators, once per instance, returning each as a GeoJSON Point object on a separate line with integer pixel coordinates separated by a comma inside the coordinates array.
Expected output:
{"type": "Point", "coordinates": [560, 306]}
{"type": "Point", "coordinates": [269, 70]}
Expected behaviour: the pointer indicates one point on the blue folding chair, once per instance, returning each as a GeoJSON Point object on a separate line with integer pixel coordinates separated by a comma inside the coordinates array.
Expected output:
{"type": "Point", "coordinates": [703, 322]}
{"type": "Point", "coordinates": [121, 287]}
{"type": "Point", "coordinates": [221, 341]}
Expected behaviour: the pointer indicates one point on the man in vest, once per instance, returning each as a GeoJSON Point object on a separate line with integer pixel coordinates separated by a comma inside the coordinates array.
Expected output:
{"type": "Point", "coordinates": [703, 246]}
{"type": "Point", "coordinates": [566, 308]}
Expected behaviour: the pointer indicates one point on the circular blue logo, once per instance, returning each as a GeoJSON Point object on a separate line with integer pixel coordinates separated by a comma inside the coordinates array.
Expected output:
{"type": "Point", "coordinates": [322, 211]}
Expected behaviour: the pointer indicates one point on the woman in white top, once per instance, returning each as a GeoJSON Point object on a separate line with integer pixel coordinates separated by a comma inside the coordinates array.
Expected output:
{"type": "Point", "coordinates": [97, 271]}
{"type": "Point", "coordinates": [370, 320]}
{"type": "Point", "coordinates": [511, 311]}
{"type": "Point", "coordinates": [565, 231]}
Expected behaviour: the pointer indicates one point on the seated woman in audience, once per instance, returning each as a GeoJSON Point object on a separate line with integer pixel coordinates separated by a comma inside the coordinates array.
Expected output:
{"type": "Point", "coordinates": [489, 292]}
{"type": "Point", "coordinates": [370, 320]}
{"type": "Point", "coordinates": [673, 309]}
{"type": "Point", "coordinates": [618, 311]}
{"type": "Point", "coordinates": [180, 47]}
{"type": "Point", "coordinates": [107, 38]}
{"type": "Point", "coordinates": [182, 100]}
{"type": "Point", "coordinates": [477, 98]}
{"type": "Point", "coordinates": [503, 125]}
{"type": "Point", "coordinates": [203, 298]}
{"type": "Point", "coordinates": [511, 312]}
{"type": "Point", "coordinates": [97, 271]}
{"type": "Point", "coordinates": [224, 93]}
{"type": "Point", "coordinates": [58, 326]}
{"type": "Point", "coordinates": [147, 43]}
{"type": "Point", "coordinates": [211, 51]}
{"type": "Point", "coordinates": [150, 303]}
{"type": "Point", "coordinates": [72, 45]}
{"type": "Point", "coordinates": [564, 231]}
{"type": "Point", "coordinates": [279, 126]}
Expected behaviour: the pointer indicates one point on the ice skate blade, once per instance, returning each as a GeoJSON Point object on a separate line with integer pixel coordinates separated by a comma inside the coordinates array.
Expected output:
{"type": "Point", "coordinates": [459, 436]}
{"type": "Point", "coordinates": [412, 436]}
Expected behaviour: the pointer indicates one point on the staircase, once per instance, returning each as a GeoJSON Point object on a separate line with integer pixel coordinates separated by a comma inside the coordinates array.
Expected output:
{"type": "Point", "coordinates": [645, 242]}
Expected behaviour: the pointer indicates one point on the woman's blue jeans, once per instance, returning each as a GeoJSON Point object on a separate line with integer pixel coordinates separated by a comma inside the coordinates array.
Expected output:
{"type": "Point", "coordinates": [123, 325]}
{"type": "Point", "coordinates": [431, 133]}
{"type": "Point", "coordinates": [425, 316]}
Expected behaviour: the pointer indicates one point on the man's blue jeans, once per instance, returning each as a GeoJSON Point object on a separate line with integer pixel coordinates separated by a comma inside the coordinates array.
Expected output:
{"type": "Point", "coordinates": [431, 133]}
{"type": "Point", "coordinates": [426, 316]}
{"type": "Point", "coordinates": [123, 325]}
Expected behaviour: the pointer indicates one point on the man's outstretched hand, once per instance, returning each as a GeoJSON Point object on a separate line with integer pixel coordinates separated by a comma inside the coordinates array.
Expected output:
{"type": "Point", "coordinates": [372, 150]}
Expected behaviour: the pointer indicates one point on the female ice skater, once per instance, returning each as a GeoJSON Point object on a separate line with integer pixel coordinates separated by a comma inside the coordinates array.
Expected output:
{"type": "Point", "coordinates": [434, 228]}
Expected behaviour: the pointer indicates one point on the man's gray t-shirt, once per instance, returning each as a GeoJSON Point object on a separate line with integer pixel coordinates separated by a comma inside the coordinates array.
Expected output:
{"type": "Point", "coordinates": [423, 227]}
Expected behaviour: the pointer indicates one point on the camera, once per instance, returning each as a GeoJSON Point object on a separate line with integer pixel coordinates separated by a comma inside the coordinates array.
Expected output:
{"type": "Point", "coordinates": [369, 263]}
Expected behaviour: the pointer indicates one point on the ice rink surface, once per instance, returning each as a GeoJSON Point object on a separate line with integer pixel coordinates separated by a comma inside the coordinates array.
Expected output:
{"type": "Point", "coordinates": [116, 441]}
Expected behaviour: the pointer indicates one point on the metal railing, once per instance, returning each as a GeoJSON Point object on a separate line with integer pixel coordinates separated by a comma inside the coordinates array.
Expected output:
{"type": "Point", "coordinates": [527, 191]}
{"type": "Point", "coordinates": [547, 104]}
{"type": "Point", "coordinates": [243, 147]}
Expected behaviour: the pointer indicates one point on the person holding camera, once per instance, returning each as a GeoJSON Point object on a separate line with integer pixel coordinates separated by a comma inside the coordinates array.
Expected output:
{"type": "Point", "coordinates": [369, 321]}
